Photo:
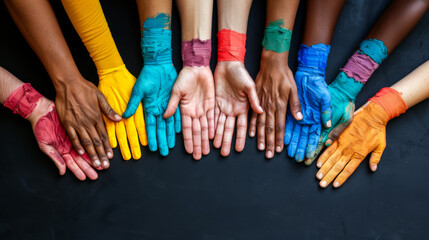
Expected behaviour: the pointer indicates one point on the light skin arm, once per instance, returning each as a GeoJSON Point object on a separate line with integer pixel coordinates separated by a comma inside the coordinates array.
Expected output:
{"type": "Point", "coordinates": [79, 103]}
{"type": "Point", "coordinates": [193, 90]}
{"type": "Point", "coordinates": [233, 85]}
{"type": "Point", "coordinates": [275, 85]}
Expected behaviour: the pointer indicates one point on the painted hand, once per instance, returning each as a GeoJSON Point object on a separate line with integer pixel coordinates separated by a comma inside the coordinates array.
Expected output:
{"type": "Point", "coordinates": [234, 90]}
{"type": "Point", "coordinates": [117, 84]}
{"type": "Point", "coordinates": [194, 93]}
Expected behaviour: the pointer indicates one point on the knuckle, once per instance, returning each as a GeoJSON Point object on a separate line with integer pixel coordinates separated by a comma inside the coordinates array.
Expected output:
{"type": "Point", "coordinates": [260, 123]}
{"type": "Point", "coordinates": [270, 129]}
{"type": "Point", "coordinates": [86, 142]}
{"type": "Point", "coordinates": [96, 141]}
{"type": "Point", "coordinates": [280, 128]}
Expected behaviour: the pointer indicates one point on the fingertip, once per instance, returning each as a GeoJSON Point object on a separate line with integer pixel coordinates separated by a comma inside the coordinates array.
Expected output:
{"type": "Point", "coordinates": [328, 142]}
{"type": "Point", "coordinates": [373, 167]}
{"type": "Point", "coordinates": [252, 133]}
{"type": "Point", "coordinates": [319, 175]}
{"type": "Point", "coordinates": [323, 184]}
{"type": "Point", "coordinates": [328, 124]}
{"type": "Point", "coordinates": [298, 116]}
{"type": "Point", "coordinates": [319, 164]}
{"type": "Point", "coordinates": [336, 184]}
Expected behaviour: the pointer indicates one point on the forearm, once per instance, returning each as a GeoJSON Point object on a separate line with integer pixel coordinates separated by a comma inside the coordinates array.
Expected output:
{"type": "Point", "coordinates": [88, 19]}
{"type": "Point", "coordinates": [233, 15]}
{"type": "Point", "coordinates": [151, 8]}
{"type": "Point", "coordinates": [8, 84]}
{"type": "Point", "coordinates": [284, 10]}
{"type": "Point", "coordinates": [320, 21]}
{"type": "Point", "coordinates": [397, 21]}
{"type": "Point", "coordinates": [196, 19]}
{"type": "Point", "coordinates": [38, 24]}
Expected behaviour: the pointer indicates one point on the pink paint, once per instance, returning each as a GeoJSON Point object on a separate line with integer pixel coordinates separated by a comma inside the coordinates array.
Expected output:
{"type": "Point", "coordinates": [360, 67]}
{"type": "Point", "coordinates": [196, 53]}
{"type": "Point", "coordinates": [23, 100]}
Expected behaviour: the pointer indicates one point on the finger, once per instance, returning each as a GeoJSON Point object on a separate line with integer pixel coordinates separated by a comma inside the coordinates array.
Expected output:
{"type": "Point", "coordinates": [172, 104]}
{"type": "Point", "coordinates": [136, 97]}
{"type": "Point", "coordinates": [260, 129]}
{"type": "Point", "coordinates": [89, 147]}
{"type": "Point", "coordinates": [171, 133]}
{"type": "Point", "coordinates": [196, 138]}
{"type": "Point", "coordinates": [133, 138]}
{"type": "Point", "coordinates": [187, 133]}
{"type": "Point", "coordinates": [302, 145]}
{"type": "Point", "coordinates": [227, 136]}
{"type": "Point", "coordinates": [216, 116]}
{"type": "Point", "coordinates": [55, 157]}
{"type": "Point", "coordinates": [252, 124]}
{"type": "Point", "coordinates": [86, 158]}
{"type": "Point", "coordinates": [280, 130]}
{"type": "Point", "coordinates": [326, 111]}
{"type": "Point", "coordinates": [376, 156]}
{"type": "Point", "coordinates": [101, 130]}
{"type": "Point", "coordinates": [177, 121]}
{"type": "Point", "coordinates": [270, 134]}
{"type": "Point", "coordinates": [290, 124]}
{"type": "Point", "coordinates": [293, 145]}
{"type": "Point", "coordinates": [320, 146]}
{"type": "Point", "coordinates": [150, 121]}
{"type": "Point", "coordinates": [111, 132]}
{"type": "Point", "coordinates": [140, 125]}
{"type": "Point", "coordinates": [107, 110]}
{"type": "Point", "coordinates": [122, 139]}
{"type": "Point", "coordinates": [211, 123]}
{"type": "Point", "coordinates": [313, 140]}
{"type": "Point", "coordinates": [217, 142]}
{"type": "Point", "coordinates": [240, 139]}
{"type": "Point", "coordinates": [205, 135]}
{"type": "Point", "coordinates": [334, 171]}
{"type": "Point", "coordinates": [326, 154]}
{"type": "Point", "coordinates": [99, 147]}
{"type": "Point", "coordinates": [161, 133]}
{"type": "Point", "coordinates": [348, 170]}
{"type": "Point", "coordinates": [84, 166]}
{"type": "Point", "coordinates": [294, 104]}
{"type": "Point", "coordinates": [345, 121]}
{"type": "Point", "coordinates": [328, 164]}
{"type": "Point", "coordinates": [74, 168]}
{"type": "Point", "coordinates": [250, 91]}
{"type": "Point", "coordinates": [74, 139]}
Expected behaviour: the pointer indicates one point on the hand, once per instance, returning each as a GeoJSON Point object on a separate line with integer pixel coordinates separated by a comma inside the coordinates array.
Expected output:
{"type": "Point", "coordinates": [302, 136]}
{"type": "Point", "coordinates": [117, 84]}
{"type": "Point", "coordinates": [276, 89]}
{"type": "Point", "coordinates": [234, 89]}
{"type": "Point", "coordinates": [80, 106]}
{"type": "Point", "coordinates": [194, 89]}
{"type": "Point", "coordinates": [54, 142]}
{"type": "Point", "coordinates": [154, 87]}
{"type": "Point", "coordinates": [343, 92]}
{"type": "Point", "coordinates": [367, 133]}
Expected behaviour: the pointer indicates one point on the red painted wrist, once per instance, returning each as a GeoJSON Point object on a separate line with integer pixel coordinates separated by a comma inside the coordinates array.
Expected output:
{"type": "Point", "coordinates": [23, 100]}
{"type": "Point", "coordinates": [391, 101]}
{"type": "Point", "coordinates": [231, 46]}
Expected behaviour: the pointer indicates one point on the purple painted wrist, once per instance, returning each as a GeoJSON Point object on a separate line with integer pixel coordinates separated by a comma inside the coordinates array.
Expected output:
{"type": "Point", "coordinates": [196, 53]}
{"type": "Point", "coordinates": [360, 67]}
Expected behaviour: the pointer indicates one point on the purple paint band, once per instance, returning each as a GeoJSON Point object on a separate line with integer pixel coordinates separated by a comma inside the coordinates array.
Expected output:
{"type": "Point", "coordinates": [360, 67]}
{"type": "Point", "coordinates": [196, 53]}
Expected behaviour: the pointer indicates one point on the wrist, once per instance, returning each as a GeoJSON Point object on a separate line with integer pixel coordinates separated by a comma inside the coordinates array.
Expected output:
{"type": "Point", "coordinates": [391, 102]}
{"type": "Point", "coordinates": [346, 86]}
{"type": "Point", "coordinates": [43, 107]}
{"type": "Point", "coordinates": [313, 59]}
{"type": "Point", "coordinates": [23, 100]}
{"type": "Point", "coordinates": [196, 53]}
{"type": "Point", "coordinates": [231, 46]}
{"type": "Point", "coordinates": [275, 56]}
{"type": "Point", "coordinates": [277, 38]}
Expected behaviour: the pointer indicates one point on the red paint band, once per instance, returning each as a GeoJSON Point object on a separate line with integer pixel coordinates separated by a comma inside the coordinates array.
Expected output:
{"type": "Point", "coordinates": [391, 101]}
{"type": "Point", "coordinates": [23, 100]}
{"type": "Point", "coordinates": [360, 67]}
{"type": "Point", "coordinates": [231, 46]}
{"type": "Point", "coordinates": [196, 53]}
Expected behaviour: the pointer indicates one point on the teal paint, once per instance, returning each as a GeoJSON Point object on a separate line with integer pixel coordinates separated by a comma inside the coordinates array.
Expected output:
{"type": "Point", "coordinates": [277, 38]}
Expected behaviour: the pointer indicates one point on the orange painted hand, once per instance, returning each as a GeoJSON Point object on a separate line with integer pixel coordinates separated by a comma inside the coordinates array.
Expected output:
{"type": "Point", "coordinates": [366, 134]}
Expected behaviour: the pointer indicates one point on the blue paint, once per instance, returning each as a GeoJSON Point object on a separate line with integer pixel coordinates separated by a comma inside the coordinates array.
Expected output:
{"type": "Point", "coordinates": [375, 49]}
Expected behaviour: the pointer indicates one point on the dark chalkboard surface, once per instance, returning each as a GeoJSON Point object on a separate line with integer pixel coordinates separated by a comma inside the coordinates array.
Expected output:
{"type": "Point", "coordinates": [243, 196]}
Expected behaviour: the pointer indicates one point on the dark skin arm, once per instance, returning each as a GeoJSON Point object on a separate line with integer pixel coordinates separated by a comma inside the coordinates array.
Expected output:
{"type": "Point", "coordinates": [149, 8]}
{"type": "Point", "coordinates": [320, 21]}
{"type": "Point", "coordinates": [78, 102]}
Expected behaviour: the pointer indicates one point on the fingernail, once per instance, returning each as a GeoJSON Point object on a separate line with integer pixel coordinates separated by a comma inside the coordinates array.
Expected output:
{"type": "Point", "coordinates": [252, 134]}
{"type": "Point", "coordinates": [260, 109]}
{"type": "Point", "coordinates": [109, 154]}
{"type": "Point", "coordinates": [336, 184]}
{"type": "Point", "coordinates": [374, 168]}
{"type": "Point", "coordinates": [328, 124]}
{"type": "Point", "coordinates": [278, 149]}
{"type": "Point", "coordinates": [105, 164]}
{"type": "Point", "coordinates": [328, 143]}
{"type": "Point", "coordinates": [117, 117]}
{"type": "Point", "coordinates": [269, 154]}
{"type": "Point", "coordinates": [299, 115]}
{"type": "Point", "coordinates": [319, 165]}
{"type": "Point", "coordinates": [97, 163]}
{"type": "Point", "coordinates": [323, 184]}
{"type": "Point", "coordinates": [81, 152]}
{"type": "Point", "coordinates": [261, 146]}
{"type": "Point", "coordinates": [319, 176]}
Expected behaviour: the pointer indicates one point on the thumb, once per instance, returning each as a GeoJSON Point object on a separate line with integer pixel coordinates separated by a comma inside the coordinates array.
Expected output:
{"type": "Point", "coordinates": [107, 110]}
{"type": "Point", "coordinates": [55, 156]}
{"type": "Point", "coordinates": [346, 120]}
{"type": "Point", "coordinates": [295, 105]}
{"type": "Point", "coordinates": [172, 104]}
{"type": "Point", "coordinates": [376, 156]}
{"type": "Point", "coordinates": [134, 102]}
{"type": "Point", "coordinates": [250, 90]}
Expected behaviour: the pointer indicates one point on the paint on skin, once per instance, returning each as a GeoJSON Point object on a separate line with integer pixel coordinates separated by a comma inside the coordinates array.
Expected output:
{"type": "Point", "coordinates": [231, 46]}
{"type": "Point", "coordinates": [360, 67]}
{"type": "Point", "coordinates": [345, 86]}
{"type": "Point", "coordinates": [156, 41]}
{"type": "Point", "coordinates": [196, 53]}
{"type": "Point", "coordinates": [277, 38]}
{"type": "Point", "coordinates": [375, 49]}
{"type": "Point", "coordinates": [313, 59]}
{"type": "Point", "coordinates": [391, 100]}
{"type": "Point", "coordinates": [23, 100]}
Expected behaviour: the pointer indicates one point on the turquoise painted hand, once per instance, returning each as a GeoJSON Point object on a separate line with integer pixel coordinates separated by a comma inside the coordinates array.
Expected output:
{"type": "Point", "coordinates": [154, 85]}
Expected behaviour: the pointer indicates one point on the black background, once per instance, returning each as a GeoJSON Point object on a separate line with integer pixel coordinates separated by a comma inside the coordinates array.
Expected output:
{"type": "Point", "coordinates": [243, 196]}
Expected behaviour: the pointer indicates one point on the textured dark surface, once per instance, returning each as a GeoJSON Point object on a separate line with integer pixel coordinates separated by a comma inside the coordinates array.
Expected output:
{"type": "Point", "coordinates": [243, 196]}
